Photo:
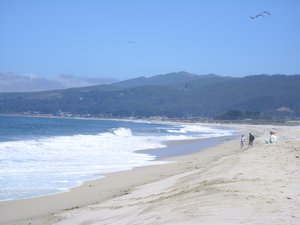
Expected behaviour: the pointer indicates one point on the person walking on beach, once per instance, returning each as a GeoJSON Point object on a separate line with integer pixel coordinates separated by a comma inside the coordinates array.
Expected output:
{"type": "Point", "coordinates": [251, 139]}
{"type": "Point", "coordinates": [243, 140]}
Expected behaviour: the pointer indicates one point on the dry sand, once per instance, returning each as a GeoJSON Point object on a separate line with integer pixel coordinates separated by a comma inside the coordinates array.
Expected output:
{"type": "Point", "coordinates": [221, 185]}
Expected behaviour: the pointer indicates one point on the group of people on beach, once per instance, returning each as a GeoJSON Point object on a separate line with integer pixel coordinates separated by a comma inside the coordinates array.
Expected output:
{"type": "Point", "coordinates": [250, 141]}
{"type": "Point", "coordinates": [270, 140]}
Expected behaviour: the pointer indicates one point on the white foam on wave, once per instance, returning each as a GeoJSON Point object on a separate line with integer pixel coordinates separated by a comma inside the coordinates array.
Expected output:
{"type": "Point", "coordinates": [200, 131]}
{"type": "Point", "coordinates": [49, 165]}
{"type": "Point", "coordinates": [123, 132]}
{"type": "Point", "coordinates": [65, 161]}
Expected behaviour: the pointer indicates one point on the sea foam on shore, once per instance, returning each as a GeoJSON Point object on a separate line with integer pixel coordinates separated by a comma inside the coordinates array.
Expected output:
{"type": "Point", "coordinates": [41, 156]}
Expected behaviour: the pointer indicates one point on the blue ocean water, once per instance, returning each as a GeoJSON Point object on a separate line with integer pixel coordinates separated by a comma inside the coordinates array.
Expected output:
{"type": "Point", "coordinates": [42, 156]}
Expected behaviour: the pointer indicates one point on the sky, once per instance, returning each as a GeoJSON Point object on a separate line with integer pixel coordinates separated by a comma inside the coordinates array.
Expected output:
{"type": "Point", "coordinates": [126, 39]}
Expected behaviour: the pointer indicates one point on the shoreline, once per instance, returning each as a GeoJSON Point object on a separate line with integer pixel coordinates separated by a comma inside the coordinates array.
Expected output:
{"type": "Point", "coordinates": [177, 148]}
{"type": "Point", "coordinates": [207, 121]}
{"type": "Point", "coordinates": [67, 200]}
{"type": "Point", "coordinates": [172, 148]}
{"type": "Point", "coordinates": [186, 179]}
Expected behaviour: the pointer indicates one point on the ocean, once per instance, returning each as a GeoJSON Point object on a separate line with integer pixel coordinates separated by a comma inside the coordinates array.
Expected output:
{"type": "Point", "coordinates": [43, 156]}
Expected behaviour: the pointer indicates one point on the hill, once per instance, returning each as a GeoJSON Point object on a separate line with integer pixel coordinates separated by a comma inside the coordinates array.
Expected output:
{"type": "Point", "coordinates": [163, 79]}
{"type": "Point", "coordinates": [171, 95]}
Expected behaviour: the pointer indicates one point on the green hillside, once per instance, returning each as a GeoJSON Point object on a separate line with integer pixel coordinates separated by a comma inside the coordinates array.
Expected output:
{"type": "Point", "coordinates": [171, 95]}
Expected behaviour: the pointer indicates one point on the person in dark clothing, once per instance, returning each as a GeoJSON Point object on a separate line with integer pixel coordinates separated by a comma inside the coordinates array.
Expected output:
{"type": "Point", "coordinates": [251, 139]}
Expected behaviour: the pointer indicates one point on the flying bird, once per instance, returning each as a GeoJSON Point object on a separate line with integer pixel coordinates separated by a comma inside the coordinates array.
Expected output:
{"type": "Point", "coordinates": [262, 14]}
{"type": "Point", "coordinates": [131, 42]}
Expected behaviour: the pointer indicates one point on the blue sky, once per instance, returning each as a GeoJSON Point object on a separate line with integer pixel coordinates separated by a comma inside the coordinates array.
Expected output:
{"type": "Point", "coordinates": [90, 38]}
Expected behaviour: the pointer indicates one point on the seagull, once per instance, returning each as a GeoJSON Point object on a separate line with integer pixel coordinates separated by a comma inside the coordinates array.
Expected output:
{"type": "Point", "coordinates": [266, 12]}
{"type": "Point", "coordinates": [260, 14]}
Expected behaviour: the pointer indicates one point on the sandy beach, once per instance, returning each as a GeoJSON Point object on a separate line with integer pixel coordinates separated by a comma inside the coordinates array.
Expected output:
{"type": "Point", "coordinates": [219, 185]}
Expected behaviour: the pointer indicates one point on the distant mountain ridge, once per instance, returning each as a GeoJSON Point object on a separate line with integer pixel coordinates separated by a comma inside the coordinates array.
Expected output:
{"type": "Point", "coordinates": [162, 79]}
{"type": "Point", "coordinates": [181, 94]}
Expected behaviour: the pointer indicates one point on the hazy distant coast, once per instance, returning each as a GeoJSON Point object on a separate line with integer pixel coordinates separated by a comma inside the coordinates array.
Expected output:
{"type": "Point", "coordinates": [260, 97]}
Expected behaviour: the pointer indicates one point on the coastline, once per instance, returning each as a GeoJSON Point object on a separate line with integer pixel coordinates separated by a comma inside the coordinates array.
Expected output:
{"type": "Point", "coordinates": [118, 189]}
{"type": "Point", "coordinates": [110, 137]}
{"type": "Point", "coordinates": [167, 120]}
{"type": "Point", "coordinates": [101, 189]}
{"type": "Point", "coordinates": [177, 148]}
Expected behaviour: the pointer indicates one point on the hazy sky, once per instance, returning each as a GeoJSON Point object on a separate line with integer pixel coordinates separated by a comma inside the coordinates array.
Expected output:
{"type": "Point", "coordinates": [126, 38]}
